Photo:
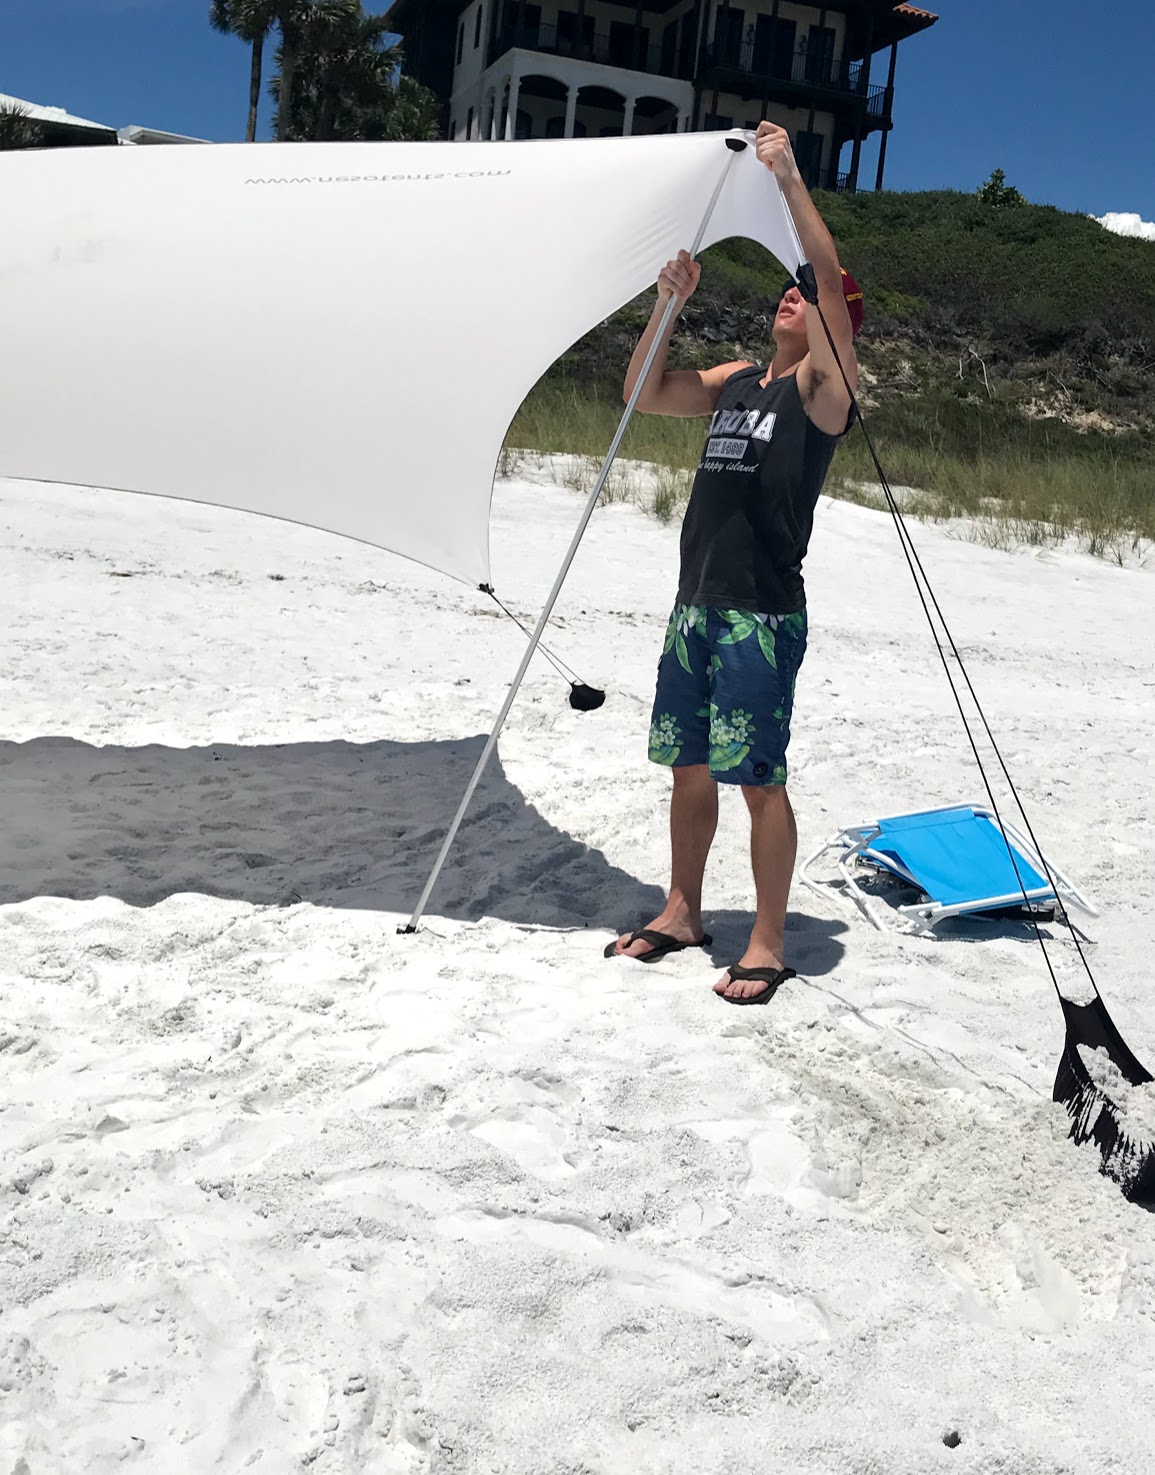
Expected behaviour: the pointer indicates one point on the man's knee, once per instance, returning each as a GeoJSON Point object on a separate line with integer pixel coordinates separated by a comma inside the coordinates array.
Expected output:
{"type": "Point", "coordinates": [764, 797]}
{"type": "Point", "coordinates": [689, 776]}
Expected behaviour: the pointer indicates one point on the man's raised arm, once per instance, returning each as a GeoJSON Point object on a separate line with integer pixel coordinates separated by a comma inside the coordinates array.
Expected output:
{"type": "Point", "coordinates": [681, 392]}
{"type": "Point", "coordinates": [773, 148]}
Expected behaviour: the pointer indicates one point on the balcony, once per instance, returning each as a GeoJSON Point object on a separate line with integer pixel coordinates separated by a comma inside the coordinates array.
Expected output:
{"type": "Point", "coordinates": [621, 50]}
{"type": "Point", "coordinates": [828, 179]}
{"type": "Point", "coordinates": [772, 68]}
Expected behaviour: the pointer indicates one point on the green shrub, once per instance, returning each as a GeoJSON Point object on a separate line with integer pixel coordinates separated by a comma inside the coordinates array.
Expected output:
{"type": "Point", "coordinates": [973, 313]}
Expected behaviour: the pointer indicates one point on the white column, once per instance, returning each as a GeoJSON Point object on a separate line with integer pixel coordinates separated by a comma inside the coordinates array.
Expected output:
{"type": "Point", "coordinates": [683, 121]}
{"type": "Point", "coordinates": [571, 109]}
{"type": "Point", "coordinates": [628, 120]}
{"type": "Point", "coordinates": [511, 116]}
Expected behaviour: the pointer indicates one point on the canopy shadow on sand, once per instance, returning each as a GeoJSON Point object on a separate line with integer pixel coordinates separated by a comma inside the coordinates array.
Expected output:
{"type": "Point", "coordinates": [335, 824]}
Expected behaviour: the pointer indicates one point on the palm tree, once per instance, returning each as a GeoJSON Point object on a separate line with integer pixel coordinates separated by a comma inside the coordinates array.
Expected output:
{"type": "Point", "coordinates": [17, 129]}
{"type": "Point", "coordinates": [414, 113]}
{"type": "Point", "coordinates": [293, 18]}
{"type": "Point", "coordinates": [251, 21]}
{"type": "Point", "coordinates": [337, 49]}
{"type": "Point", "coordinates": [346, 85]}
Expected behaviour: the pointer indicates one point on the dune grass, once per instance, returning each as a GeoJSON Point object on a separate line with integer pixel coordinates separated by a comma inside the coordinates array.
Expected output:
{"type": "Point", "coordinates": [1013, 480]}
{"type": "Point", "coordinates": [979, 322]}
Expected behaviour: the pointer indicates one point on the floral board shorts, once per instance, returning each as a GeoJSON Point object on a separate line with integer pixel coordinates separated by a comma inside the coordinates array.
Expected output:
{"type": "Point", "coordinates": [726, 691]}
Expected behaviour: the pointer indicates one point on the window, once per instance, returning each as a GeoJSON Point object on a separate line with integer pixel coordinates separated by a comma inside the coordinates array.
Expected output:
{"type": "Point", "coordinates": [469, 124]}
{"type": "Point", "coordinates": [808, 149]}
{"type": "Point", "coordinates": [570, 41]}
{"type": "Point", "coordinates": [460, 42]}
{"type": "Point", "coordinates": [718, 120]}
{"type": "Point", "coordinates": [669, 49]}
{"type": "Point", "coordinates": [728, 27]}
{"type": "Point", "coordinates": [819, 54]}
{"type": "Point", "coordinates": [530, 31]}
{"type": "Point", "coordinates": [688, 46]}
{"type": "Point", "coordinates": [774, 43]}
{"type": "Point", "coordinates": [477, 28]}
{"type": "Point", "coordinates": [627, 46]}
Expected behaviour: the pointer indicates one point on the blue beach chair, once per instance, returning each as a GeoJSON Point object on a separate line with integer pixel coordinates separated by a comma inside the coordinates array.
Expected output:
{"type": "Point", "coordinates": [957, 857]}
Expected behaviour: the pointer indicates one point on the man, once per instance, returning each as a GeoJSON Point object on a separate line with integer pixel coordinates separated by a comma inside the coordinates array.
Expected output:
{"type": "Point", "coordinates": [738, 631]}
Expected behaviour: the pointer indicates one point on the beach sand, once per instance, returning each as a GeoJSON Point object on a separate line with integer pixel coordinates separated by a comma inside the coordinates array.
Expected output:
{"type": "Point", "coordinates": [282, 1189]}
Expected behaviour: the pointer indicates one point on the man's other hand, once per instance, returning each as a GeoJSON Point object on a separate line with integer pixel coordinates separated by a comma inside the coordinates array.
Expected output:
{"type": "Point", "coordinates": [678, 278]}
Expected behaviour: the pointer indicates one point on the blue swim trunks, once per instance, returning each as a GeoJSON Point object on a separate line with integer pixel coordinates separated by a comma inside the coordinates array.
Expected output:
{"type": "Point", "coordinates": [726, 691]}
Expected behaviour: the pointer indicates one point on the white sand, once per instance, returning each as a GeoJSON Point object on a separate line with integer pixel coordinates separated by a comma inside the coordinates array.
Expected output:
{"type": "Point", "coordinates": [280, 1188]}
{"type": "Point", "coordinates": [1134, 1105]}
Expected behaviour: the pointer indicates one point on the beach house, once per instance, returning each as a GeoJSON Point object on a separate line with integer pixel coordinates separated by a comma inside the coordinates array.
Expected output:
{"type": "Point", "coordinates": [509, 69]}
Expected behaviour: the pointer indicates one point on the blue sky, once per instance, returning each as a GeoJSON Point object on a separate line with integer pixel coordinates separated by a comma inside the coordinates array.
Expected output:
{"type": "Point", "coordinates": [1056, 93]}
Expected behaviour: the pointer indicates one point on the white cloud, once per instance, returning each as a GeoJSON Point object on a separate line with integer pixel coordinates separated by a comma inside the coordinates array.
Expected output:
{"type": "Point", "coordinates": [1127, 225]}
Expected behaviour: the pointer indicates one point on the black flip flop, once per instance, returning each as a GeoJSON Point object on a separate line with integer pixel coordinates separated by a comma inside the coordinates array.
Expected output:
{"type": "Point", "coordinates": [771, 977]}
{"type": "Point", "coordinates": [661, 943]}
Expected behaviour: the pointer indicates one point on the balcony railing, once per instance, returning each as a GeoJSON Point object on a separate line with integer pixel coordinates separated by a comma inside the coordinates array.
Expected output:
{"type": "Point", "coordinates": [611, 51]}
{"type": "Point", "coordinates": [803, 69]}
{"type": "Point", "coordinates": [829, 179]}
{"type": "Point", "coordinates": [762, 63]}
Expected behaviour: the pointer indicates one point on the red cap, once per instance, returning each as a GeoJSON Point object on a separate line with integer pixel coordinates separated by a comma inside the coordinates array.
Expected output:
{"type": "Point", "coordinates": [853, 294]}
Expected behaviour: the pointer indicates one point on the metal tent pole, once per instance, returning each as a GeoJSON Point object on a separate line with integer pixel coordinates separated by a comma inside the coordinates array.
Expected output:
{"type": "Point", "coordinates": [735, 145]}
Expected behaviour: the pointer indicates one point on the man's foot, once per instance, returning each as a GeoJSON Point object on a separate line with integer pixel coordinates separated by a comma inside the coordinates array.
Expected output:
{"type": "Point", "coordinates": [680, 929]}
{"type": "Point", "coordinates": [658, 945]}
{"type": "Point", "coordinates": [746, 988]}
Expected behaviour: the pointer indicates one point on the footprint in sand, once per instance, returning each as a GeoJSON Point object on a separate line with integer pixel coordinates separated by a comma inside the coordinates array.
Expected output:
{"type": "Point", "coordinates": [1016, 1283]}
{"type": "Point", "coordinates": [530, 1117]}
{"type": "Point", "coordinates": [783, 1165]}
{"type": "Point", "coordinates": [636, 1277]}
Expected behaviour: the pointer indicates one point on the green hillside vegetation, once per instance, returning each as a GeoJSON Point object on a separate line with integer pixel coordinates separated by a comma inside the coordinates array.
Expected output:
{"type": "Point", "coordinates": [1007, 365]}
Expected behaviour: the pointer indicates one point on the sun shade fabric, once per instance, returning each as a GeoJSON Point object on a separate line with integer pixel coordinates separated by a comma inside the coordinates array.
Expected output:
{"type": "Point", "coordinates": [955, 857]}
{"type": "Point", "coordinates": [336, 334]}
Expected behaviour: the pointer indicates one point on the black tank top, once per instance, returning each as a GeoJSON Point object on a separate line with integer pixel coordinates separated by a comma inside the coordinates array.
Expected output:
{"type": "Point", "coordinates": [751, 509]}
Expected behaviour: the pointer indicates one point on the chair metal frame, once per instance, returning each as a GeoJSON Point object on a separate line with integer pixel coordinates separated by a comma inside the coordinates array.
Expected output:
{"type": "Point", "coordinates": [856, 843]}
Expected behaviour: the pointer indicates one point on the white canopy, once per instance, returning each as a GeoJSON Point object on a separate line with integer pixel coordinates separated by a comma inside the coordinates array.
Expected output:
{"type": "Point", "coordinates": [336, 334]}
